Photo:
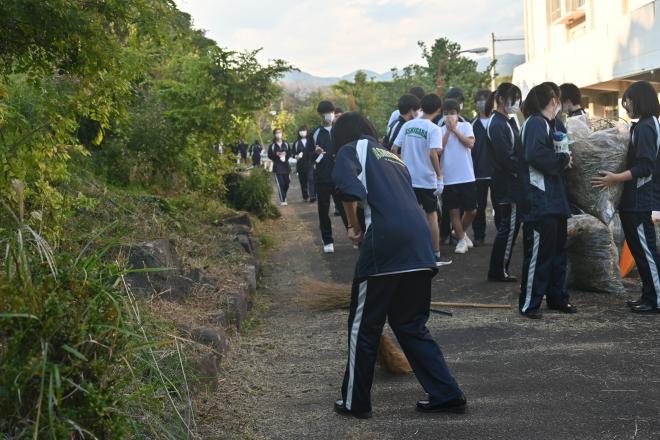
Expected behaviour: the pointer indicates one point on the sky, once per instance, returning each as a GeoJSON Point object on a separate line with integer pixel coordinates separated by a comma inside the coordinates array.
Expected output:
{"type": "Point", "coordinates": [334, 38]}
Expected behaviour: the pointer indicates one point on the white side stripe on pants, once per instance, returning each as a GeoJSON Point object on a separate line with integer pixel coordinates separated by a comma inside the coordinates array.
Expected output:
{"type": "Point", "coordinates": [355, 328]}
{"type": "Point", "coordinates": [509, 241]}
{"type": "Point", "coordinates": [651, 262]}
{"type": "Point", "coordinates": [531, 271]}
{"type": "Point", "coordinates": [279, 189]}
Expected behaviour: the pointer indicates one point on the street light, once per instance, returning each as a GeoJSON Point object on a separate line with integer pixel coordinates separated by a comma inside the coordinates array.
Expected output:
{"type": "Point", "coordinates": [493, 83]}
{"type": "Point", "coordinates": [441, 65]}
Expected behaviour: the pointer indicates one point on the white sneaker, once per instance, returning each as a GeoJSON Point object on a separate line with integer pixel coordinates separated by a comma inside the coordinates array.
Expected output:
{"type": "Point", "coordinates": [329, 249]}
{"type": "Point", "coordinates": [469, 242]}
{"type": "Point", "coordinates": [461, 247]}
{"type": "Point", "coordinates": [284, 204]}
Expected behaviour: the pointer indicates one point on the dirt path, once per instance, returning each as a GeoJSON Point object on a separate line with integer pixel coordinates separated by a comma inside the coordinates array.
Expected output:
{"type": "Point", "coordinates": [594, 375]}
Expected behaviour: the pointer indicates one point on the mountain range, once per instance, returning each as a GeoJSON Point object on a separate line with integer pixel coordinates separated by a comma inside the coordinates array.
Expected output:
{"type": "Point", "coordinates": [303, 81]}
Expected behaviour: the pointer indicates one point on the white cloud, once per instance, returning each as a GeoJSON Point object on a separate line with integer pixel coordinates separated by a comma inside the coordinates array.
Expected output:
{"type": "Point", "coordinates": [336, 37]}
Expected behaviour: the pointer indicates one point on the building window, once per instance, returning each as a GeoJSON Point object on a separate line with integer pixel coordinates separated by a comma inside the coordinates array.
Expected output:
{"type": "Point", "coordinates": [555, 10]}
{"type": "Point", "coordinates": [566, 11]}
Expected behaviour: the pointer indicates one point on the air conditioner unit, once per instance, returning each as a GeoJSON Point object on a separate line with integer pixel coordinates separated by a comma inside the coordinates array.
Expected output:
{"type": "Point", "coordinates": [568, 11]}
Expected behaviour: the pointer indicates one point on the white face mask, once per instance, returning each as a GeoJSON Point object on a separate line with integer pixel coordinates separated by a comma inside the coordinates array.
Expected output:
{"type": "Point", "coordinates": [513, 108]}
{"type": "Point", "coordinates": [558, 110]}
{"type": "Point", "coordinates": [302, 134]}
{"type": "Point", "coordinates": [328, 117]}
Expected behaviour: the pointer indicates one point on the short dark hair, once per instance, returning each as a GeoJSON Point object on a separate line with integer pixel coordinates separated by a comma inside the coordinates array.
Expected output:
{"type": "Point", "coordinates": [644, 99]}
{"type": "Point", "coordinates": [303, 127]}
{"type": "Point", "coordinates": [481, 95]}
{"type": "Point", "coordinates": [350, 127]}
{"type": "Point", "coordinates": [408, 102]}
{"type": "Point", "coordinates": [417, 91]}
{"type": "Point", "coordinates": [537, 99]}
{"type": "Point", "coordinates": [456, 94]}
{"type": "Point", "coordinates": [555, 88]}
{"type": "Point", "coordinates": [431, 103]}
{"type": "Point", "coordinates": [570, 92]}
{"type": "Point", "coordinates": [450, 105]}
{"type": "Point", "coordinates": [339, 110]}
{"type": "Point", "coordinates": [505, 91]}
{"type": "Point", "coordinates": [325, 107]}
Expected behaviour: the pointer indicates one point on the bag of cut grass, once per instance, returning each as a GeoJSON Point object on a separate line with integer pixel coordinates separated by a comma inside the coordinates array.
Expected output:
{"type": "Point", "coordinates": [593, 257]}
{"type": "Point", "coordinates": [595, 149]}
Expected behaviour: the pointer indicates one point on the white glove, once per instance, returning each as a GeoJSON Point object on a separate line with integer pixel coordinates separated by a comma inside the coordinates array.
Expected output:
{"type": "Point", "coordinates": [440, 187]}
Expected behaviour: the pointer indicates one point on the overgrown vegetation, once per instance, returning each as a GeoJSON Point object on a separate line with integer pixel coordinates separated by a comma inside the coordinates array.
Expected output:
{"type": "Point", "coordinates": [111, 113]}
{"type": "Point", "coordinates": [254, 194]}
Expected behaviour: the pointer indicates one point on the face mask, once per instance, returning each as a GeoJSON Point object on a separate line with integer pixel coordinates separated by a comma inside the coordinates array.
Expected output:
{"type": "Point", "coordinates": [513, 108]}
{"type": "Point", "coordinates": [558, 110]}
{"type": "Point", "coordinates": [328, 117]}
{"type": "Point", "coordinates": [481, 106]}
{"type": "Point", "coordinates": [302, 134]}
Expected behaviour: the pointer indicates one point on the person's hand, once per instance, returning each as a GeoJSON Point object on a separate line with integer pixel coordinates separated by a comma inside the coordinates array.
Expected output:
{"type": "Point", "coordinates": [451, 123]}
{"type": "Point", "coordinates": [355, 235]}
{"type": "Point", "coordinates": [440, 187]}
{"type": "Point", "coordinates": [319, 150]}
{"type": "Point", "coordinates": [605, 179]}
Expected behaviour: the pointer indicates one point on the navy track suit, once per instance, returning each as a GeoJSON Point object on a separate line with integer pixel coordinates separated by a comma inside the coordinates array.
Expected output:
{"type": "Point", "coordinates": [255, 153]}
{"type": "Point", "coordinates": [641, 195]}
{"type": "Point", "coordinates": [545, 209]}
{"type": "Point", "coordinates": [325, 188]}
{"type": "Point", "coordinates": [483, 172]}
{"type": "Point", "coordinates": [392, 132]}
{"type": "Point", "coordinates": [303, 167]}
{"type": "Point", "coordinates": [504, 146]}
{"type": "Point", "coordinates": [392, 276]}
{"type": "Point", "coordinates": [443, 216]}
{"type": "Point", "coordinates": [281, 170]}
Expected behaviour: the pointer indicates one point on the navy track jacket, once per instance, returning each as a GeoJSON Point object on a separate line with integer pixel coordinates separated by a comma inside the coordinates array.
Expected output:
{"type": "Point", "coordinates": [542, 182]}
{"type": "Point", "coordinates": [397, 238]}
{"type": "Point", "coordinates": [642, 193]}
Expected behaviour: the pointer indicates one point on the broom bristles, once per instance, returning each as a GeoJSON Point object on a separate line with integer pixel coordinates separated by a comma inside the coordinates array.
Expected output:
{"type": "Point", "coordinates": [391, 357]}
{"type": "Point", "coordinates": [319, 295]}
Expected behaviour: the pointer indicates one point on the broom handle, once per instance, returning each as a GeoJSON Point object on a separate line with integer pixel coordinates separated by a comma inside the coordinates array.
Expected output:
{"type": "Point", "coordinates": [469, 305]}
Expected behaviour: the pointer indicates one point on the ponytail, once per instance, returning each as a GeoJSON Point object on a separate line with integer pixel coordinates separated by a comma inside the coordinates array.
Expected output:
{"type": "Point", "coordinates": [537, 99]}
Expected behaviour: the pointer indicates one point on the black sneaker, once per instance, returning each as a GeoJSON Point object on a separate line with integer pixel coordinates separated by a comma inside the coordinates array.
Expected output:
{"type": "Point", "coordinates": [441, 261]}
{"type": "Point", "coordinates": [456, 406]}
{"type": "Point", "coordinates": [532, 314]}
{"type": "Point", "coordinates": [340, 408]}
{"type": "Point", "coordinates": [564, 308]}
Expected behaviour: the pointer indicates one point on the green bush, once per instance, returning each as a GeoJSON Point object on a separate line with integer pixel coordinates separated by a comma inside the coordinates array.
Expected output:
{"type": "Point", "coordinates": [254, 194]}
{"type": "Point", "coordinates": [78, 359]}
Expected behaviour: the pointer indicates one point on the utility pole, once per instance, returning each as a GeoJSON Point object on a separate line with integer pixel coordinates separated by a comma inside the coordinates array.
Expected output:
{"type": "Point", "coordinates": [493, 40]}
{"type": "Point", "coordinates": [493, 76]}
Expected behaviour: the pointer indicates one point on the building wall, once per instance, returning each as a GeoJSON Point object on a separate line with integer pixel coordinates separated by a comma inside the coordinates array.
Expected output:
{"type": "Point", "coordinates": [616, 41]}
